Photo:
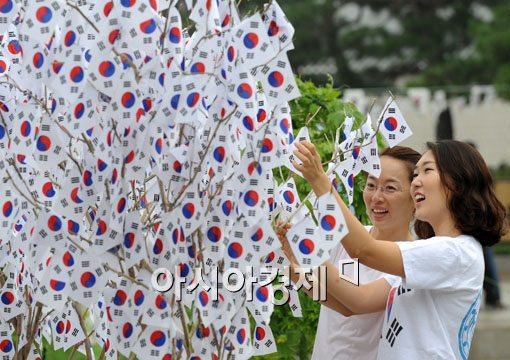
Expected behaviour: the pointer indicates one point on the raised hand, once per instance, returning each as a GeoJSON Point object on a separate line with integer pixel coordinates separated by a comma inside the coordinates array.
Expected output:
{"type": "Point", "coordinates": [311, 167]}
{"type": "Point", "coordinates": [281, 231]}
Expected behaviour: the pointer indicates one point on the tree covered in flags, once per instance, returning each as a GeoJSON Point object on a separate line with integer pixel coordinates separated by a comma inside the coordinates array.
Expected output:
{"type": "Point", "coordinates": [130, 143]}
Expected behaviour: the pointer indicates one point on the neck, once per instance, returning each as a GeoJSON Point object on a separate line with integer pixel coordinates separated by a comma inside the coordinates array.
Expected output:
{"type": "Point", "coordinates": [446, 228]}
{"type": "Point", "coordinates": [397, 234]}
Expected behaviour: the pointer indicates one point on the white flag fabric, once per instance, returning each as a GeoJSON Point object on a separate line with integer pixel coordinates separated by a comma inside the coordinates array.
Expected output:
{"type": "Point", "coordinates": [263, 340]}
{"type": "Point", "coordinates": [392, 124]}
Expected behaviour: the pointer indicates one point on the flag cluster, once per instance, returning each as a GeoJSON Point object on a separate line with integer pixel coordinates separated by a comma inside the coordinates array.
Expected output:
{"type": "Point", "coordinates": [129, 143]}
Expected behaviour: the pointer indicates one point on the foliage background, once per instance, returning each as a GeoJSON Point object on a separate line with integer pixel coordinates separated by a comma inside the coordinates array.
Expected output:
{"type": "Point", "coordinates": [435, 43]}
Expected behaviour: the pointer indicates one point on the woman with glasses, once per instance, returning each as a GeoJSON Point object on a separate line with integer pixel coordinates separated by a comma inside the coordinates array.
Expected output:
{"type": "Point", "coordinates": [430, 313]}
{"type": "Point", "coordinates": [390, 208]}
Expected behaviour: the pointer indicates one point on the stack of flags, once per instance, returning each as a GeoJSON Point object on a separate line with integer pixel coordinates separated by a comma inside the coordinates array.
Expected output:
{"type": "Point", "coordinates": [128, 143]}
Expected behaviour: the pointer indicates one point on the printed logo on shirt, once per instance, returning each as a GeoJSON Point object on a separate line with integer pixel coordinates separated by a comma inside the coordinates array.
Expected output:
{"type": "Point", "coordinates": [402, 290]}
{"type": "Point", "coordinates": [393, 331]}
{"type": "Point", "coordinates": [467, 328]}
{"type": "Point", "coordinates": [389, 306]}
{"type": "Point", "coordinates": [391, 298]}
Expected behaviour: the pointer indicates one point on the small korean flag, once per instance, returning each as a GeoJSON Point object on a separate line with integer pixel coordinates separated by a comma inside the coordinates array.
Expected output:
{"type": "Point", "coordinates": [392, 124]}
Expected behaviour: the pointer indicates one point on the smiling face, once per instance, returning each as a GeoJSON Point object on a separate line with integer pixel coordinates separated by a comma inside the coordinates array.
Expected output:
{"type": "Point", "coordinates": [391, 209]}
{"type": "Point", "coordinates": [429, 194]}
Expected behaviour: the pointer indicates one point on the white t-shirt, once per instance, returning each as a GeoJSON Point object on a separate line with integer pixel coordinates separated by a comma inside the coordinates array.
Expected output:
{"type": "Point", "coordinates": [432, 313]}
{"type": "Point", "coordinates": [355, 337]}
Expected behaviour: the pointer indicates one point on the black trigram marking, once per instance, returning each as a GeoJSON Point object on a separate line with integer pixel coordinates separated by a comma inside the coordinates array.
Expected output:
{"type": "Point", "coordinates": [401, 290]}
{"type": "Point", "coordinates": [393, 332]}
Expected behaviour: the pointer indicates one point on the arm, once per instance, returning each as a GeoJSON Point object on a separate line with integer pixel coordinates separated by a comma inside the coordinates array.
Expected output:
{"type": "Point", "coordinates": [384, 256]}
{"type": "Point", "coordinates": [331, 302]}
{"type": "Point", "coordinates": [342, 295]}
{"type": "Point", "coordinates": [360, 299]}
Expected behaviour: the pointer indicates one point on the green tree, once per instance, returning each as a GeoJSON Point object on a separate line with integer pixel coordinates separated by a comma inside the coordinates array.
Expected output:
{"type": "Point", "coordinates": [488, 61]}
{"type": "Point", "coordinates": [372, 43]}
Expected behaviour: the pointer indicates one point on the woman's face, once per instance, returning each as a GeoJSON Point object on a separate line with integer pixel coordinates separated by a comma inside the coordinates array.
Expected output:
{"type": "Point", "coordinates": [387, 198]}
{"type": "Point", "coordinates": [428, 192]}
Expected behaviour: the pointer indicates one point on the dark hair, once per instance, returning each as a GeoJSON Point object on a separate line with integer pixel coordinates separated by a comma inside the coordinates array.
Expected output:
{"type": "Point", "coordinates": [409, 157]}
{"type": "Point", "coordinates": [471, 198]}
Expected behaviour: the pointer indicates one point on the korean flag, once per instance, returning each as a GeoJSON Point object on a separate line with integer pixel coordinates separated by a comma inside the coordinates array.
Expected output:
{"type": "Point", "coordinates": [277, 80]}
{"type": "Point", "coordinates": [332, 226]}
{"type": "Point", "coordinates": [263, 340]}
{"type": "Point", "coordinates": [307, 243]}
{"type": "Point", "coordinates": [88, 279]}
{"type": "Point", "coordinates": [392, 124]}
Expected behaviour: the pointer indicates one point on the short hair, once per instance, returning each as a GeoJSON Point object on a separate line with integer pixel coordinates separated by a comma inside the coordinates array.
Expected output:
{"type": "Point", "coordinates": [470, 191]}
{"type": "Point", "coordinates": [409, 157]}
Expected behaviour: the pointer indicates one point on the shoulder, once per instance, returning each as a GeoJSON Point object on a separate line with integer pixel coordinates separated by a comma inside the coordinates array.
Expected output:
{"type": "Point", "coordinates": [461, 244]}
{"type": "Point", "coordinates": [464, 250]}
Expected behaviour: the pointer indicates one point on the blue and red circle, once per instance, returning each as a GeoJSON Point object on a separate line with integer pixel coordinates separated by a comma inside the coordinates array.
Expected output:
{"type": "Point", "coordinates": [214, 234]}
{"type": "Point", "coordinates": [67, 259]}
{"type": "Point", "coordinates": [79, 110]}
{"type": "Point", "coordinates": [106, 68]}
{"type": "Point", "coordinates": [391, 123]}
{"type": "Point", "coordinates": [174, 35]}
{"type": "Point", "coordinates": [188, 210]}
{"type": "Point", "coordinates": [227, 207]}
{"type": "Point", "coordinates": [148, 26]}
{"type": "Point", "coordinates": [43, 143]}
{"type": "Point", "coordinates": [7, 298]}
{"type": "Point", "coordinates": [197, 68]}
{"type": "Point", "coordinates": [203, 298]}
{"type": "Point", "coordinates": [158, 338]}
{"type": "Point", "coordinates": [328, 222]}
{"type": "Point", "coordinates": [251, 40]}
{"type": "Point", "coordinates": [262, 294]}
{"type": "Point", "coordinates": [25, 128]}
{"type": "Point", "coordinates": [69, 38]}
{"type": "Point", "coordinates": [38, 60]}
{"type": "Point", "coordinates": [6, 6]}
{"type": "Point", "coordinates": [87, 279]}
{"type": "Point", "coordinates": [160, 302]}
{"type": "Point", "coordinates": [245, 91]}
{"type": "Point", "coordinates": [129, 240]}
{"type": "Point", "coordinates": [260, 333]}
{"type": "Point", "coordinates": [251, 198]}
{"type": "Point", "coordinates": [275, 79]}
{"type": "Point", "coordinates": [127, 330]}
{"type": "Point", "coordinates": [235, 250]}
{"type": "Point", "coordinates": [289, 197]}
{"type": "Point", "coordinates": [219, 154]}
{"type": "Point", "coordinates": [44, 14]}
{"type": "Point", "coordinates": [128, 99]}
{"type": "Point", "coordinates": [54, 223]}
{"type": "Point", "coordinates": [192, 99]}
{"type": "Point", "coordinates": [138, 297]}
{"type": "Point", "coordinates": [257, 235]}
{"type": "Point", "coordinates": [73, 227]}
{"type": "Point", "coordinates": [57, 285]}
{"type": "Point", "coordinates": [267, 145]}
{"type": "Point", "coordinates": [273, 28]}
{"type": "Point", "coordinates": [306, 246]}
{"type": "Point", "coordinates": [48, 189]}
{"type": "Point", "coordinates": [158, 246]}
{"type": "Point", "coordinates": [241, 336]}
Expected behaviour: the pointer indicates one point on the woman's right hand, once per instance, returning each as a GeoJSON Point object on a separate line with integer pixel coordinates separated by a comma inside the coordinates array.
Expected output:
{"type": "Point", "coordinates": [281, 231]}
{"type": "Point", "coordinates": [311, 167]}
